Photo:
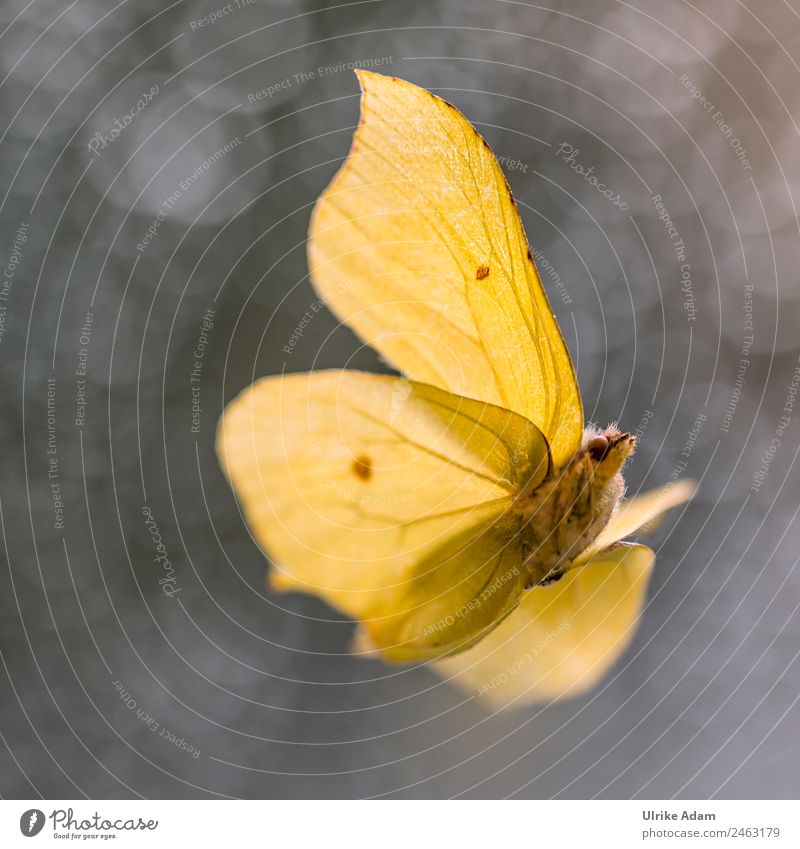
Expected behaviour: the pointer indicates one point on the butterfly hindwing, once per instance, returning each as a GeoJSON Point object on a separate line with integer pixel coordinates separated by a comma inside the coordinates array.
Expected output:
{"type": "Point", "coordinates": [563, 637]}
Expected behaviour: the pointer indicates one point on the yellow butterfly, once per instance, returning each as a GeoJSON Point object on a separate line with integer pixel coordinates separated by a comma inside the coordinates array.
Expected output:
{"type": "Point", "coordinates": [463, 511]}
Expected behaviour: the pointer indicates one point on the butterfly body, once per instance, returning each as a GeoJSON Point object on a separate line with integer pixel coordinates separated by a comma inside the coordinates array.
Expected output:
{"type": "Point", "coordinates": [567, 511]}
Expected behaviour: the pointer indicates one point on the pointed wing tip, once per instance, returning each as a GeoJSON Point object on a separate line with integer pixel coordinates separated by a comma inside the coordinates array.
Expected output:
{"type": "Point", "coordinates": [363, 79]}
{"type": "Point", "coordinates": [372, 78]}
{"type": "Point", "coordinates": [364, 75]}
{"type": "Point", "coordinates": [373, 81]}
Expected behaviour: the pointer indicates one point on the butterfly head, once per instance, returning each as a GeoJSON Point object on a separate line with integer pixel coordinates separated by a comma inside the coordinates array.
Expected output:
{"type": "Point", "coordinates": [607, 450]}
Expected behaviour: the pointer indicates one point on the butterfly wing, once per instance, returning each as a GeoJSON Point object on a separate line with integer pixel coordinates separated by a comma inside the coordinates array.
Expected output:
{"type": "Point", "coordinates": [641, 513]}
{"type": "Point", "coordinates": [562, 638]}
{"type": "Point", "coordinates": [418, 246]}
{"type": "Point", "coordinates": [462, 589]}
{"type": "Point", "coordinates": [390, 499]}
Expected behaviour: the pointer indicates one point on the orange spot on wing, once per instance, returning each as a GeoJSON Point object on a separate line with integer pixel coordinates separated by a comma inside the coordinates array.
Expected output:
{"type": "Point", "coordinates": [482, 272]}
{"type": "Point", "coordinates": [362, 467]}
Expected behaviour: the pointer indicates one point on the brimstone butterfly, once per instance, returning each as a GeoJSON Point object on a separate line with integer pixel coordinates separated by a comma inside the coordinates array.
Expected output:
{"type": "Point", "coordinates": [461, 513]}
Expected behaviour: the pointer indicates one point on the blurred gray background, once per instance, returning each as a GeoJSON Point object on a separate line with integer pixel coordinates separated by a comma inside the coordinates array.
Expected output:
{"type": "Point", "coordinates": [680, 304]}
